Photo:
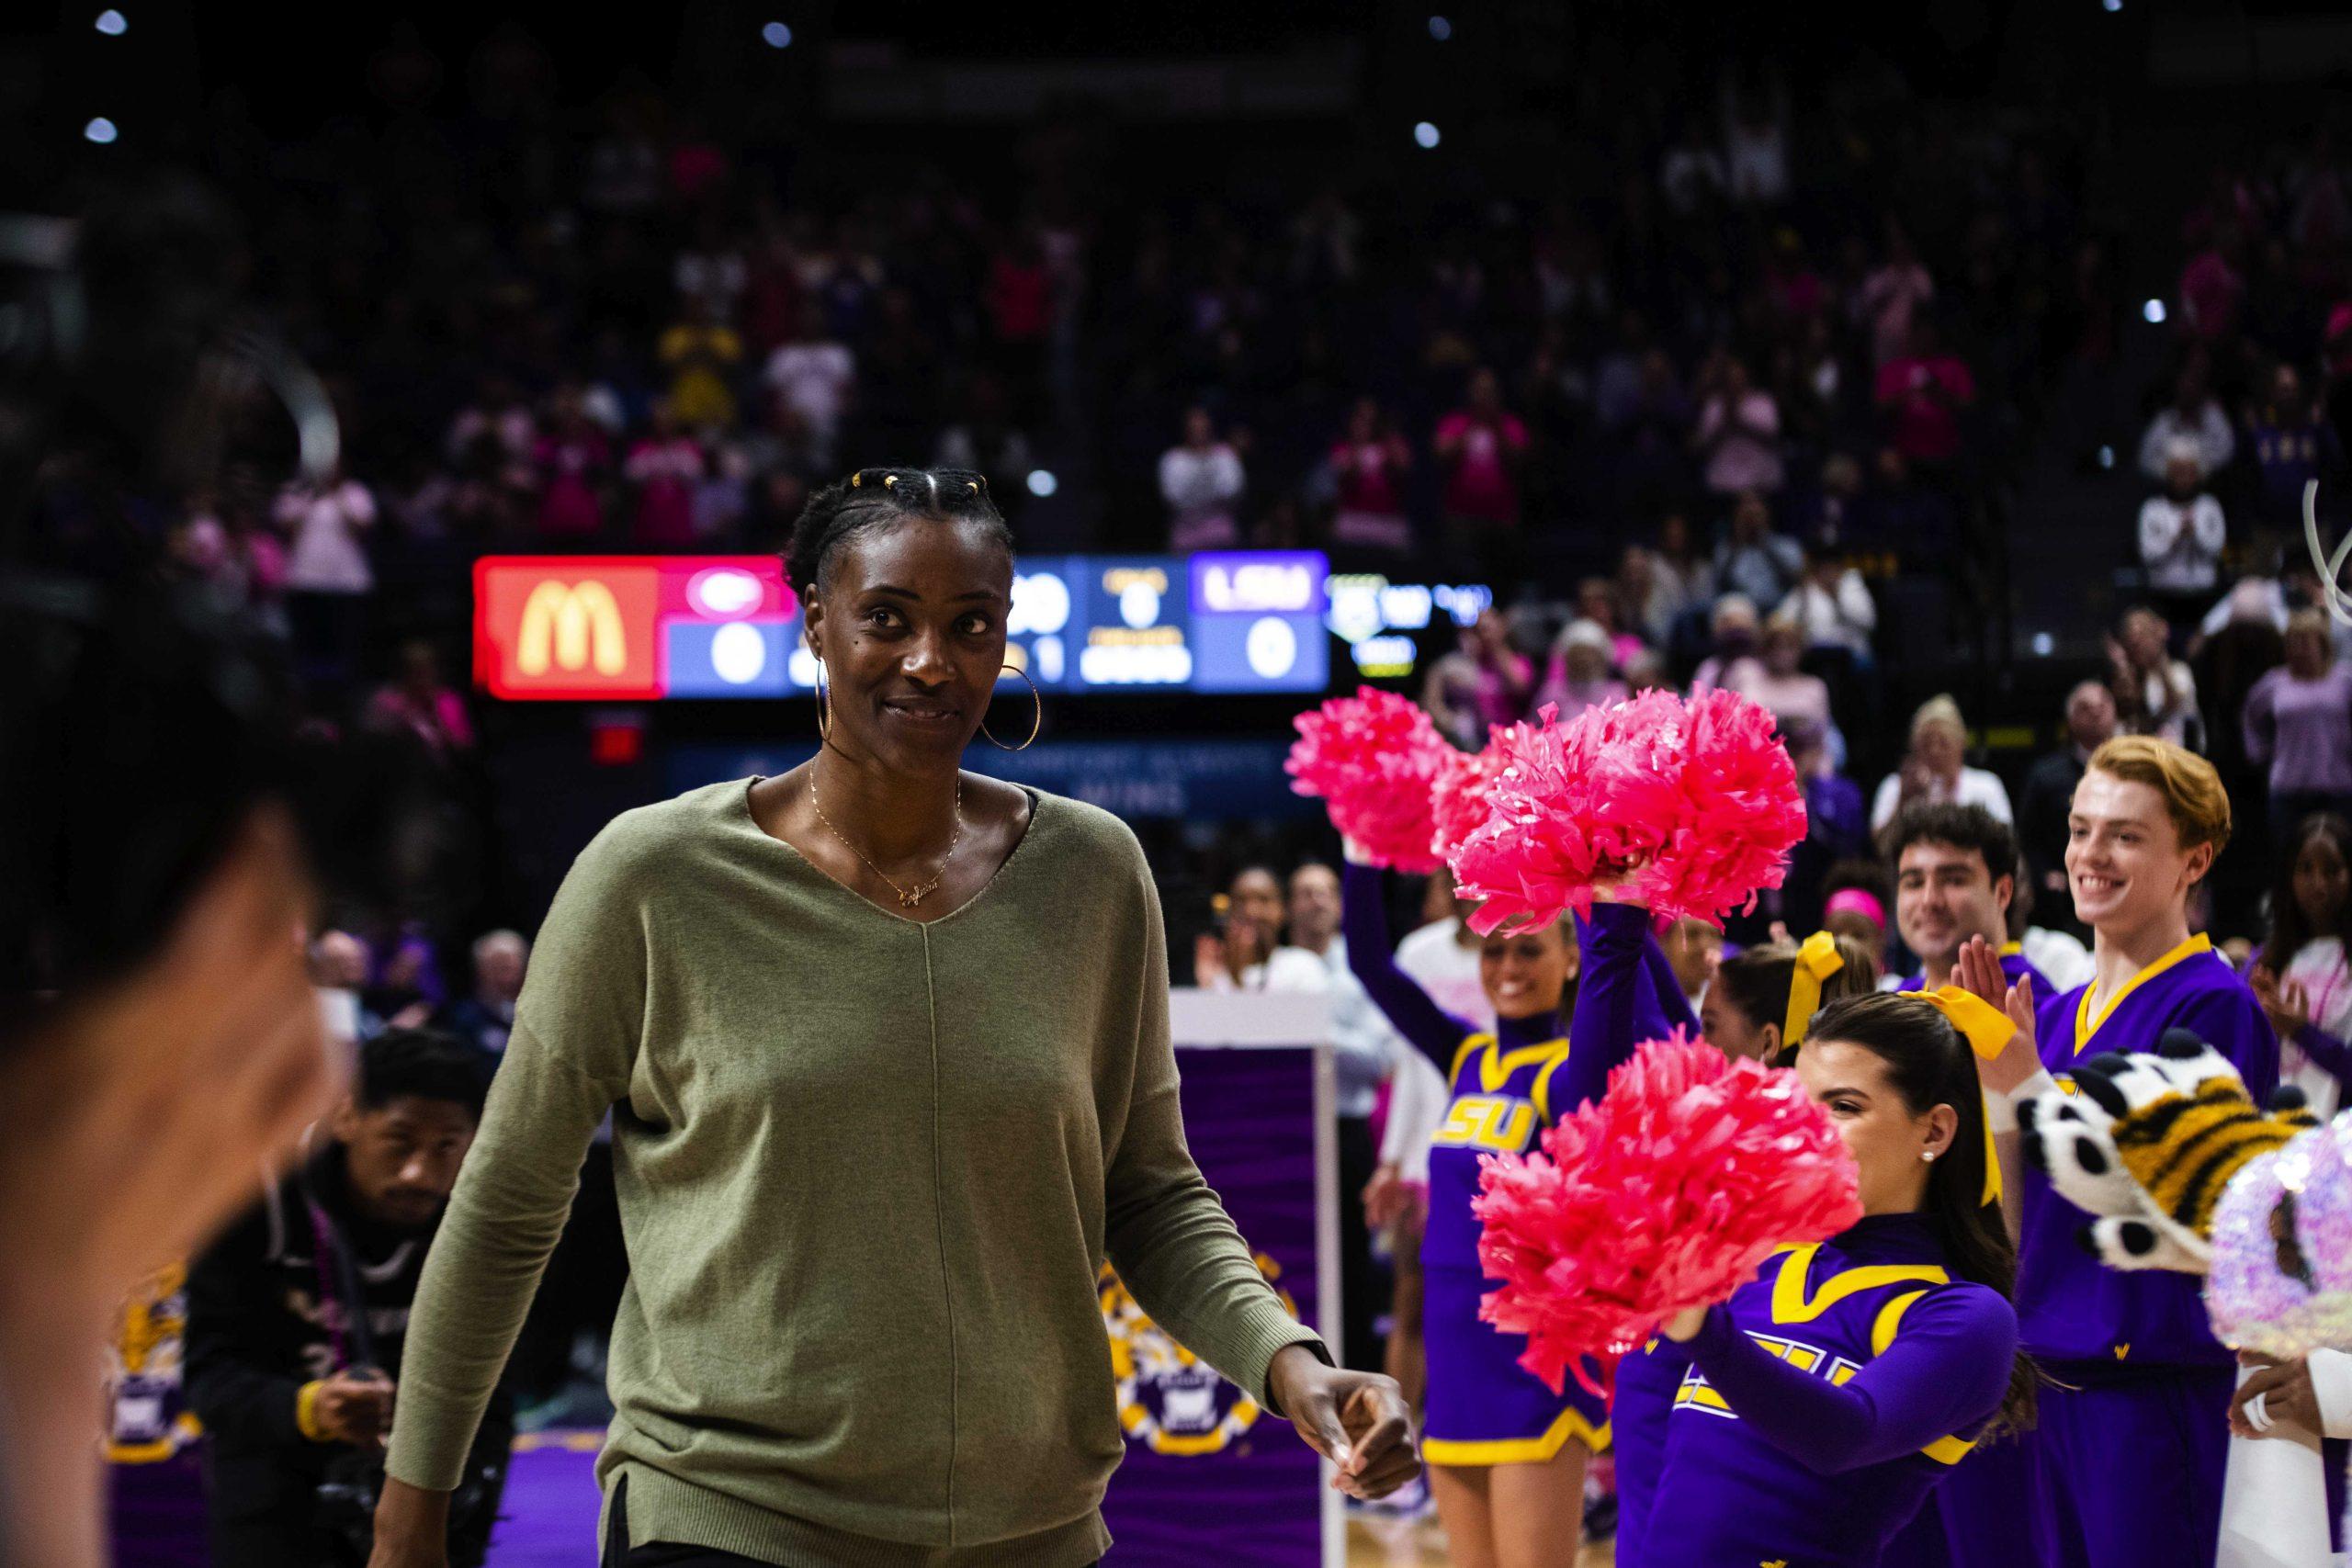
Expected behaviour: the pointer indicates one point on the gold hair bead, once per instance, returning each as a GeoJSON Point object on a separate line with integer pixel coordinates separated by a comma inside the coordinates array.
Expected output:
{"type": "Point", "coordinates": [856, 479]}
{"type": "Point", "coordinates": [889, 481]}
{"type": "Point", "coordinates": [975, 484]}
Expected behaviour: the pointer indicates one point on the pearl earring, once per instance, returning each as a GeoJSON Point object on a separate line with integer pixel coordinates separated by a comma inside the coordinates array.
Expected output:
{"type": "Point", "coordinates": [1928, 1155]}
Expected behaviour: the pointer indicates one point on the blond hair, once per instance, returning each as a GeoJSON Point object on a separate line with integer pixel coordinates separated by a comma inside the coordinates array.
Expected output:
{"type": "Point", "coordinates": [2194, 798]}
{"type": "Point", "coordinates": [1940, 709]}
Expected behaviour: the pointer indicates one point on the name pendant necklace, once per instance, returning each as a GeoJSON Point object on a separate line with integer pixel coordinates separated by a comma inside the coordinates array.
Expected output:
{"type": "Point", "coordinates": [909, 898]}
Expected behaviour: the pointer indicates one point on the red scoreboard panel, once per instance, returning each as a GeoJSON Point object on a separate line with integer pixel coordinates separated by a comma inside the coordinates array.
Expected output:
{"type": "Point", "coordinates": [621, 627]}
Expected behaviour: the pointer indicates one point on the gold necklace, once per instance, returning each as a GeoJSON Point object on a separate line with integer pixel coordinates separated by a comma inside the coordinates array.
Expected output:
{"type": "Point", "coordinates": [908, 896]}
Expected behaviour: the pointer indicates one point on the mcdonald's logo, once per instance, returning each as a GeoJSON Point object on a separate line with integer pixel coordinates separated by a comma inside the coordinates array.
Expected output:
{"type": "Point", "coordinates": [568, 626]}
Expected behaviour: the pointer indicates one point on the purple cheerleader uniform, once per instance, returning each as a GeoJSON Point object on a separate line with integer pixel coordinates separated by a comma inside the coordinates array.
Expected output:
{"type": "Point", "coordinates": [2133, 1437]}
{"type": "Point", "coordinates": [1815, 1409]}
{"type": "Point", "coordinates": [1483, 1407]}
{"type": "Point", "coordinates": [1993, 1511]}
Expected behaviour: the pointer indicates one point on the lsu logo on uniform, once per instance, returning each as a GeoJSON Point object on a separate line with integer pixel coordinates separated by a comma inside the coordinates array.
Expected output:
{"type": "Point", "coordinates": [1487, 1122]}
{"type": "Point", "coordinates": [1169, 1399]}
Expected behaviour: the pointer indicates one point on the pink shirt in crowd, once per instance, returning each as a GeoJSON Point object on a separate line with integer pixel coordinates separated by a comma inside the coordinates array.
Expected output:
{"type": "Point", "coordinates": [1926, 428]}
{"type": "Point", "coordinates": [1480, 484]}
{"type": "Point", "coordinates": [665, 472]}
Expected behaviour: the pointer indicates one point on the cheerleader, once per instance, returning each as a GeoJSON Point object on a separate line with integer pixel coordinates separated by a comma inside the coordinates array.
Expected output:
{"type": "Point", "coordinates": [1746, 1012]}
{"type": "Point", "coordinates": [1506, 1455]}
{"type": "Point", "coordinates": [1955, 879]}
{"type": "Point", "coordinates": [2133, 1433]}
{"type": "Point", "coordinates": [1628, 992]}
{"type": "Point", "coordinates": [1806, 1419]}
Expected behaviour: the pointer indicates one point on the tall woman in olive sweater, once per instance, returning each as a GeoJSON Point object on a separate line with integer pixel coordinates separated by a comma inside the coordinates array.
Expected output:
{"type": "Point", "coordinates": [886, 1046]}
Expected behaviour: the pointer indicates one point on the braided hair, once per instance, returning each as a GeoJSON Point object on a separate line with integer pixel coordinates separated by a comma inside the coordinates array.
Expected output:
{"type": "Point", "coordinates": [875, 498]}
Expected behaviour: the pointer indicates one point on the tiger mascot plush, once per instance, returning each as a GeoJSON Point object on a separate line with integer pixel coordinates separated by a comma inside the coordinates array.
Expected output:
{"type": "Point", "coordinates": [2182, 1171]}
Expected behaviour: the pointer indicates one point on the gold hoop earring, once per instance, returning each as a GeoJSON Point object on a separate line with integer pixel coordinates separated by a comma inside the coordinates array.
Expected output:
{"type": "Point", "coordinates": [1037, 721]}
{"type": "Point", "coordinates": [824, 718]}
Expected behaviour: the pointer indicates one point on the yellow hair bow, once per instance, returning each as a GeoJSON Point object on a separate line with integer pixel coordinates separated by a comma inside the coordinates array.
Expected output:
{"type": "Point", "coordinates": [1817, 961]}
{"type": "Point", "coordinates": [1988, 1033]}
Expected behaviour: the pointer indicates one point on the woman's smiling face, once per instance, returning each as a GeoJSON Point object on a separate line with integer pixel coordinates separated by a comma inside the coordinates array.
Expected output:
{"type": "Point", "coordinates": [910, 628]}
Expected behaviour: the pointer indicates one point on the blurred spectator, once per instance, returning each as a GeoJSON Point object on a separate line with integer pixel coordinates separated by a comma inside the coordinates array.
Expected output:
{"type": "Point", "coordinates": [339, 963]}
{"type": "Point", "coordinates": [2299, 725]}
{"type": "Point", "coordinates": [1837, 826]}
{"type": "Point", "coordinates": [485, 1018]}
{"type": "Point", "coordinates": [701, 351]}
{"type": "Point", "coordinates": [1201, 480]}
{"type": "Point", "coordinates": [1482, 445]}
{"type": "Point", "coordinates": [1936, 769]}
{"type": "Point", "coordinates": [1732, 624]}
{"type": "Point", "coordinates": [1597, 602]}
{"type": "Point", "coordinates": [501, 412]}
{"type": "Point", "coordinates": [575, 461]}
{"type": "Point", "coordinates": [1019, 297]}
{"type": "Point", "coordinates": [1892, 295]}
{"type": "Point", "coordinates": [1754, 560]}
{"type": "Point", "coordinates": [1369, 468]}
{"type": "Point", "coordinates": [1579, 675]}
{"type": "Point", "coordinates": [784, 444]}
{"type": "Point", "coordinates": [1756, 136]}
{"type": "Point", "coordinates": [421, 706]}
{"type": "Point", "coordinates": [328, 577]}
{"type": "Point", "coordinates": [1691, 177]}
{"type": "Point", "coordinates": [814, 372]}
{"type": "Point", "coordinates": [1647, 671]}
{"type": "Point", "coordinates": [1693, 947]}
{"type": "Point", "coordinates": [1653, 441]}
{"type": "Point", "coordinates": [2181, 538]}
{"type": "Point", "coordinates": [1366, 1049]}
{"type": "Point", "coordinates": [1834, 516]}
{"type": "Point", "coordinates": [1232, 956]}
{"type": "Point", "coordinates": [1450, 696]}
{"type": "Point", "coordinates": [1922, 392]}
{"type": "Point", "coordinates": [2293, 445]}
{"type": "Point", "coordinates": [2303, 974]}
{"type": "Point", "coordinates": [1857, 897]}
{"type": "Point", "coordinates": [665, 466]}
{"type": "Point", "coordinates": [1737, 436]}
{"type": "Point", "coordinates": [2212, 285]}
{"type": "Point", "coordinates": [1505, 677]}
{"type": "Point", "coordinates": [2050, 796]}
{"type": "Point", "coordinates": [406, 988]}
{"type": "Point", "coordinates": [1833, 606]}
{"type": "Point", "coordinates": [1683, 578]}
{"type": "Point", "coordinates": [987, 441]}
{"type": "Point", "coordinates": [1770, 676]}
{"type": "Point", "coordinates": [2193, 416]}
{"type": "Point", "coordinates": [2154, 693]}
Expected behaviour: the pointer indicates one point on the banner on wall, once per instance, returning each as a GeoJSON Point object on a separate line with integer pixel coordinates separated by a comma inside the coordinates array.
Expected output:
{"type": "Point", "coordinates": [1209, 1476]}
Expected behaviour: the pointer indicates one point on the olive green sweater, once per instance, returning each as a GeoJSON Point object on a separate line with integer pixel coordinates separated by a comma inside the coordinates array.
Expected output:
{"type": "Point", "coordinates": [869, 1170]}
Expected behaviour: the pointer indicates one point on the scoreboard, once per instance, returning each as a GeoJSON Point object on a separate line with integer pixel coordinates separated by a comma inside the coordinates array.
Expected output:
{"type": "Point", "coordinates": [644, 627]}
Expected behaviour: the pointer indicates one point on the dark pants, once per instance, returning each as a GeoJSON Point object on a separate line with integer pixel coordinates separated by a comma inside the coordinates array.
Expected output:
{"type": "Point", "coordinates": [1361, 1291]}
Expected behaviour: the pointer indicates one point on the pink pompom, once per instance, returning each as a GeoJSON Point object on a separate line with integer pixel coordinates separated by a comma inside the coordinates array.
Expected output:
{"type": "Point", "coordinates": [1373, 757]}
{"type": "Point", "coordinates": [1460, 801]}
{"type": "Point", "coordinates": [1667, 1193]}
{"type": "Point", "coordinates": [1695, 805]}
